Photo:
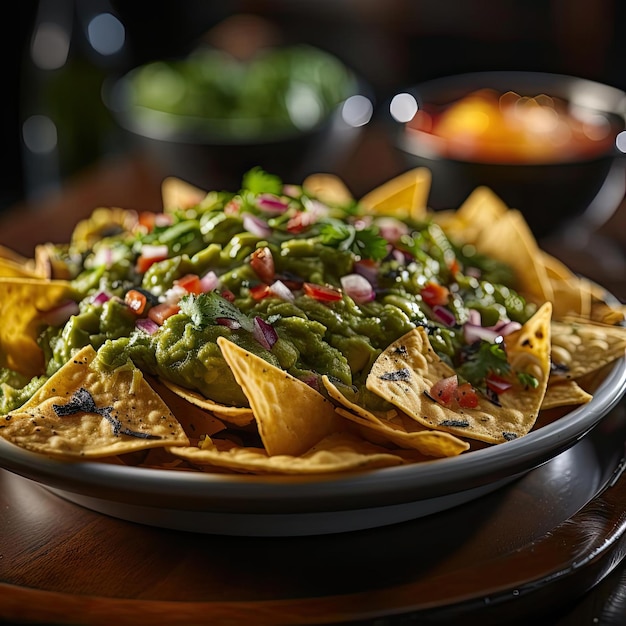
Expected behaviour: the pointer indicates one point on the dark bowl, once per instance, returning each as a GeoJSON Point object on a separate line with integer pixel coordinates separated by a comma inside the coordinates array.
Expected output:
{"type": "Point", "coordinates": [213, 152]}
{"type": "Point", "coordinates": [549, 194]}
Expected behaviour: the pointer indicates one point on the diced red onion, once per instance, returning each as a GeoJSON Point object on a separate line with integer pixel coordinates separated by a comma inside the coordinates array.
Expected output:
{"type": "Point", "coordinates": [368, 270]}
{"type": "Point", "coordinates": [256, 225]}
{"type": "Point", "coordinates": [147, 325]}
{"type": "Point", "coordinates": [391, 228]}
{"type": "Point", "coordinates": [280, 290]}
{"type": "Point", "coordinates": [312, 381]}
{"type": "Point", "coordinates": [209, 281]}
{"type": "Point", "coordinates": [228, 322]}
{"type": "Point", "coordinates": [474, 317]}
{"type": "Point", "coordinates": [264, 333]}
{"type": "Point", "coordinates": [293, 191]}
{"type": "Point", "coordinates": [271, 204]}
{"type": "Point", "coordinates": [162, 219]}
{"type": "Point", "coordinates": [476, 332]}
{"type": "Point", "coordinates": [506, 327]}
{"type": "Point", "coordinates": [358, 288]}
{"type": "Point", "coordinates": [150, 251]}
{"type": "Point", "coordinates": [59, 315]}
{"type": "Point", "coordinates": [444, 315]}
{"type": "Point", "coordinates": [101, 297]}
{"type": "Point", "coordinates": [173, 295]}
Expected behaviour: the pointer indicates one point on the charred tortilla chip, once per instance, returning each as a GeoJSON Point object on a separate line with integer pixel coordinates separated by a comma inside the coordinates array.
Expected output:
{"type": "Point", "coordinates": [291, 416]}
{"type": "Point", "coordinates": [406, 371]}
{"type": "Point", "coordinates": [84, 412]}
{"type": "Point", "coordinates": [579, 348]}
{"type": "Point", "coordinates": [404, 195]}
{"type": "Point", "coordinates": [399, 429]}
{"type": "Point", "coordinates": [23, 303]}
{"type": "Point", "coordinates": [337, 452]}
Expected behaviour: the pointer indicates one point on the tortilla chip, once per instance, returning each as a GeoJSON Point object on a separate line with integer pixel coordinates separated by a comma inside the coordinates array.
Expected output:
{"type": "Point", "coordinates": [337, 452]}
{"type": "Point", "coordinates": [579, 348]}
{"type": "Point", "coordinates": [84, 412]}
{"type": "Point", "coordinates": [179, 194]}
{"type": "Point", "coordinates": [406, 371]}
{"type": "Point", "coordinates": [102, 222]}
{"type": "Point", "coordinates": [328, 188]}
{"type": "Point", "coordinates": [565, 393]}
{"type": "Point", "coordinates": [404, 195]}
{"type": "Point", "coordinates": [23, 301]}
{"type": "Point", "coordinates": [235, 415]}
{"type": "Point", "coordinates": [12, 269]}
{"type": "Point", "coordinates": [196, 421]}
{"type": "Point", "coordinates": [291, 416]}
{"type": "Point", "coordinates": [511, 241]}
{"type": "Point", "coordinates": [399, 429]}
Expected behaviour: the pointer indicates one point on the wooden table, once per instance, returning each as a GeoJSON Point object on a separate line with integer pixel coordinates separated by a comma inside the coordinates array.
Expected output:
{"type": "Point", "coordinates": [61, 564]}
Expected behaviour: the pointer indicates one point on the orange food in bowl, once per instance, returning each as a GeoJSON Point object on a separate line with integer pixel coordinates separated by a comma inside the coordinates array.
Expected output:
{"type": "Point", "coordinates": [488, 126]}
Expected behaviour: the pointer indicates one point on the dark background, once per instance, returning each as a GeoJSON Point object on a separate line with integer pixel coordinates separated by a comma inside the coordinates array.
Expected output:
{"type": "Point", "coordinates": [390, 43]}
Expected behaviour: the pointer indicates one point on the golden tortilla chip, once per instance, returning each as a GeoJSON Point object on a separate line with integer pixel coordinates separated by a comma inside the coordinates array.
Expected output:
{"type": "Point", "coordinates": [235, 415]}
{"type": "Point", "coordinates": [406, 371]}
{"type": "Point", "coordinates": [179, 194]}
{"type": "Point", "coordinates": [399, 429]}
{"type": "Point", "coordinates": [337, 452]}
{"type": "Point", "coordinates": [12, 269]}
{"type": "Point", "coordinates": [84, 412]}
{"type": "Point", "coordinates": [328, 188]}
{"type": "Point", "coordinates": [104, 221]}
{"type": "Point", "coordinates": [404, 195]}
{"type": "Point", "coordinates": [511, 241]}
{"type": "Point", "coordinates": [195, 420]}
{"type": "Point", "coordinates": [291, 416]}
{"type": "Point", "coordinates": [565, 393]}
{"type": "Point", "coordinates": [579, 348]}
{"type": "Point", "coordinates": [23, 302]}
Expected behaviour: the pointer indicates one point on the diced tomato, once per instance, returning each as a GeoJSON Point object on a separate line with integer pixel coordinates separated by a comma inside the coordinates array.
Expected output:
{"type": "Point", "coordinates": [324, 293]}
{"type": "Point", "coordinates": [435, 294]}
{"type": "Point", "coordinates": [262, 262]}
{"type": "Point", "coordinates": [150, 255]}
{"type": "Point", "coordinates": [497, 384]}
{"type": "Point", "coordinates": [160, 312]}
{"type": "Point", "coordinates": [465, 396]}
{"type": "Point", "coordinates": [232, 207]}
{"type": "Point", "coordinates": [258, 292]}
{"type": "Point", "coordinates": [449, 393]}
{"type": "Point", "coordinates": [146, 220]}
{"type": "Point", "coordinates": [444, 389]}
{"type": "Point", "coordinates": [227, 294]}
{"type": "Point", "coordinates": [454, 266]}
{"type": "Point", "coordinates": [300, 221]}
{"type": "Point", "coordinates": [190, 283]}
{"type": "Point", "coordinates": [136, 301]}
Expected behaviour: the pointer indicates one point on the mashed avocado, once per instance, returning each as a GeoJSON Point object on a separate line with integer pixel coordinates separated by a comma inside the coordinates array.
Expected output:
{"type": "Point", "coordinates": [312, 288]}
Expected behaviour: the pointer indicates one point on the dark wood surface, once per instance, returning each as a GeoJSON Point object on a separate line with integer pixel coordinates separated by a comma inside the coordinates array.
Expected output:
{"type": "Point", "coordinates": [61, 564]}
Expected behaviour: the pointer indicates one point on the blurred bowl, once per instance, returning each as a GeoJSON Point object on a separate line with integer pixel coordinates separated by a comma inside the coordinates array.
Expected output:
{"type": "Point", "coordinates": [550, 183]}
{"type": "Point", "coordinates": [208, 118]}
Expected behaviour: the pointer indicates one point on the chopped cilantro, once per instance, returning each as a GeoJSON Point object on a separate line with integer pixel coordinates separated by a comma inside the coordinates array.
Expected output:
{"type": "Point", "coordinates": [258, 181]}
{"type": "Point", "coordinates": [527, 380]}
{"type": "Point", "coordinates": [481, 359]}
{"type": "Point", "coordinates": [207, 308]}
{"type": "Point", "coordinates": [365, 243]}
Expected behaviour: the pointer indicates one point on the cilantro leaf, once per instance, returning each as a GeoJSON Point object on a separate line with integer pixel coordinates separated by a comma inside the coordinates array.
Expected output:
{"type": "Point", "coordinates": [481, 359]}
{"type": "Point", "coordinates": [206, 308]}
{"type": "Point", "coordinates": [259, 181]}
{"type": "Point", "coordinates": [365, 243]}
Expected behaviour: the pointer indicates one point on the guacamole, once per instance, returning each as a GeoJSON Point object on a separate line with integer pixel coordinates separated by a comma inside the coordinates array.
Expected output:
{"type": "Point", "coordinates": [313, 288]}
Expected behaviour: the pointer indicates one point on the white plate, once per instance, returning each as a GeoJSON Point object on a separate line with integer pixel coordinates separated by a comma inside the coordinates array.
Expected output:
{"type": "Point", "coordinates": [305, 505]}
